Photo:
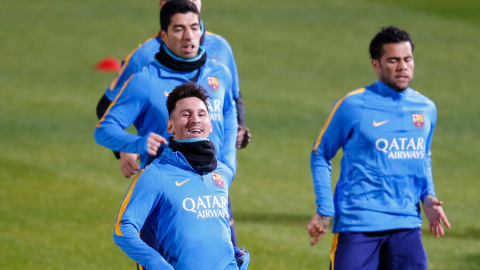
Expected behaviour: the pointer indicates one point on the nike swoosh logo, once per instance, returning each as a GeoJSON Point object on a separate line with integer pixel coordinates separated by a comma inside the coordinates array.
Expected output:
{"type": "Point", "coordinates": [377, 124]}
{"type": "Point", "coordinates": [181, 183]}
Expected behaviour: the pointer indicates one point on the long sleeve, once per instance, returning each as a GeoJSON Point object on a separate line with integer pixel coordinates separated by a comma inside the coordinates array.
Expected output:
{"type": "Point", "coordinates": [124, 110]}
{"type": "Point", "coordinates": [141, 199]}
{"type": "Point", "coordinates": [228, 154]}
{"type": "Point", "coordinates": [332, 137]}
{"type": "Point", "coordinates": [237, 96]}
{"type": "Point", "coordinates": [430, 189]}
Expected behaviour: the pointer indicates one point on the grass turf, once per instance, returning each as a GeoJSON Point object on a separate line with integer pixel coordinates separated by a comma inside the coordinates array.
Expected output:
{"type": "Point", "coordinates": [60, 192]}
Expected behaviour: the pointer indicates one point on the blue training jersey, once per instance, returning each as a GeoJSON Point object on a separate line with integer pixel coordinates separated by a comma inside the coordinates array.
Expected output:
{"type": "Point", "coordinates": [187, 211]}
{"type": "Point", "coordinates": [385, 169]}
{"type": "Point", "coordinates": [217, 48]}
{"type": "Point", "coordinates": [142, 102]}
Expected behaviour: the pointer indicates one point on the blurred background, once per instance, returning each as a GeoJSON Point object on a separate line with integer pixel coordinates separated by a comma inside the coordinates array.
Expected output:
{"type": "Point", "coordinates": [60, 191]}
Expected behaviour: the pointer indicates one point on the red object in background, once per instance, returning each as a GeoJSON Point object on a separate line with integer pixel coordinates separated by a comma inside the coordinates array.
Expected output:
{"type": "Point", "coordinates": [108, 64]}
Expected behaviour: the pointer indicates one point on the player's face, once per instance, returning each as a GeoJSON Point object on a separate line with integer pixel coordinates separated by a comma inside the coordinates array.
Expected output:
{"type": "Point", "coordinates": [197, 3]}
{"type": "Point", "coordinates": [395, 67]}
{"type": "Point", "coordinates": [189, 120]}
{"type": "Point", "coordinates": [183, 35]}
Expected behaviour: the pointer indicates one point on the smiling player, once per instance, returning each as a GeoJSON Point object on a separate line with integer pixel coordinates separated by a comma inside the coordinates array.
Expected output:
{"type": "Point", "coordinates": [182, 197]}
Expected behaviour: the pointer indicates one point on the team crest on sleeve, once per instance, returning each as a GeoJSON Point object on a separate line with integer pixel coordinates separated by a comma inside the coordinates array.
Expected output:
{"type": "Point", "coordinates": [213, 83]}
{"type": "Point", "coordinates": [218, 180]}
{"type": "Point", "coordinates": [417, 120]}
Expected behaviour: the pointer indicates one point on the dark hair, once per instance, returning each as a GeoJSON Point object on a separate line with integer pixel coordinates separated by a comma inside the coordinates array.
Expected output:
{"type": "Point", "coordinates": [186, 90]}
{"type": "Point", "coordinates": [390, 34]}
{"type": "Point", "coordinates": [173, 7]}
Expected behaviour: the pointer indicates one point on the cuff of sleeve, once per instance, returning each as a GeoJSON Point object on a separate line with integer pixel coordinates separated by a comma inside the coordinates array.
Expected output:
{"type": "Point", "coordinates": [142, 144]}
{"type": "Point", "coordinates": [324, 212]}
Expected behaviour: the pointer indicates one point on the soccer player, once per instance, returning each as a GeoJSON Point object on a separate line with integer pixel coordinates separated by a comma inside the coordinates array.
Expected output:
{"type": "Point", "coordinates": [217, 49]}
{"type": "Point", "coordinates": [385, 130]}
{"type": "Point", "coordinates": [182, 197]}
{"type": "Point", "coordinates": [142, 98]}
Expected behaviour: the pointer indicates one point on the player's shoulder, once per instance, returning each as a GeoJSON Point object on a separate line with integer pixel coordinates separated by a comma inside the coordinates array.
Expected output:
{"type": "Point", "coordinates": [216, 65]}
{"type": "Point", "coordinates": [224, 171]}
{"type": "Point", "coordinates": [416, 95]}
{"type": "Point", "coordinates": [151, 174]}
{"type": "Point", "coordinates": [146, 51]}
{"type": "Point", "coordinates": [354, 97]}
{"type": "Point", "coordinates": [216, 44]}
{"type": "Point", "coordinates": [215, 37]}
{"type": "Point", "coordinates": [149, 44]}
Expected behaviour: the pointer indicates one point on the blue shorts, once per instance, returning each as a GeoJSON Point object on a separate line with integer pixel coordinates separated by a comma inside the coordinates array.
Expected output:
{"type": "Point", "coordinates": [395, 249]}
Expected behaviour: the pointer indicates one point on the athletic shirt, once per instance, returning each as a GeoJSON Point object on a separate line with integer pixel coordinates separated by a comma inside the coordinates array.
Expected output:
{"type": "Point", "coordinates": [386, 170]}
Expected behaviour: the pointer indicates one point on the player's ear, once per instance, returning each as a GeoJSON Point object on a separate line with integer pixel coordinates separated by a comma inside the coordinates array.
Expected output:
{"type": "Point", "coordinates": [376, 66]}
{"type": "Point", "coordinates": [170, 127]}
{"type": "Point", "coordinates": [163, 36]}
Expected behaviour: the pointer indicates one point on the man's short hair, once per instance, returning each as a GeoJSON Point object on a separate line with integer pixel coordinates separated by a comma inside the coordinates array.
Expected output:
{"type": "Point", "coordinates": [390, 34]}
{"type": "Point", "coordinates": [186, 90]}
{"type": "Point", "coordinates": [173, 7]}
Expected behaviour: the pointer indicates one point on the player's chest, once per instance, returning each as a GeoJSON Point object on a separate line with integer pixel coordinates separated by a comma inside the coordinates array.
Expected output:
{"type": "Point", "coordinates": [402, 123]}
{"type": "Point", "coordinates": [209, 191]}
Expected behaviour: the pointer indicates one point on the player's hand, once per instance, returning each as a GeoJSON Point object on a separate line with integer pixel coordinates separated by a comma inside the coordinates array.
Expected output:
{"type": "Point", "coordinates": [243, 137]}
{"type": "Point", "coordinates": [153, 143]}
{"type": "Point", "coordinates": [242, 257]}
{"type": "Point", "coordinates": [317, 227]}
{"type": "Point", "coordinates": [128, 164]}
{"type": "Point", "coordinates": [435, 215]}
{"type": "Point", "coordinates": [238, 255]}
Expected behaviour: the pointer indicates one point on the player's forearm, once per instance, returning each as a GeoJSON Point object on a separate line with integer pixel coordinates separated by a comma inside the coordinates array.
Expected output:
{"type": "Point", "coordinates": [116, 139]}
{"type": "Point", "coordinates": [240, 110]}
{"type": "Point", "coordinates": [321, 175]}
{"type": "Point", "coordinates": [139, 251]}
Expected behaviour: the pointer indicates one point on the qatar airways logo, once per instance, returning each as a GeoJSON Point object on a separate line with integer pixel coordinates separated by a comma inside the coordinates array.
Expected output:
{"type": "Point", "coordinates": [402, 148]}
{"type": "Point", "coordinates": [207, 206]}
{"type": "Point", "coordinates": [215, 110]}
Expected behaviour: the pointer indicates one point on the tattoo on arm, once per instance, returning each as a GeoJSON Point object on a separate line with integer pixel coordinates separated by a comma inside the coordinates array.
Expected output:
{"type": "Point", "coordinates": [325, 221]}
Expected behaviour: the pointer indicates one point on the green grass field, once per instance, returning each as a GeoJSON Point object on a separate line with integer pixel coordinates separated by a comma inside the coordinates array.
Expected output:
{"type": "Point", "coordinates": [60, 191]}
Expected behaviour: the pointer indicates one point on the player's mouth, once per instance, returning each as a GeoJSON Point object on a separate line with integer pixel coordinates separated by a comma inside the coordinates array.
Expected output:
{"type": "Point", "coordinates": [196, 131]}
{"type": "Point", "coordinates": [403, 78]}
{"type": "Point", "coordinates": [189, 48]}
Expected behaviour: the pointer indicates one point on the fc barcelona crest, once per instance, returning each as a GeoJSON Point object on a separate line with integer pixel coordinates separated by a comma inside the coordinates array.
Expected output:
{"type": "Point", "coordinates": [417, 120]}
{"type": "Point", "coordinates": [218, 180]}
{"type": "Point", "coordinates": [213, 83]}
